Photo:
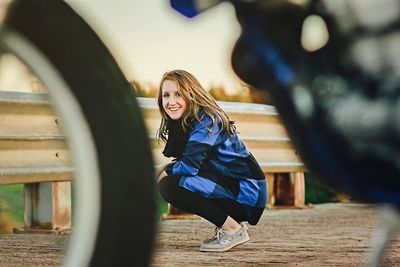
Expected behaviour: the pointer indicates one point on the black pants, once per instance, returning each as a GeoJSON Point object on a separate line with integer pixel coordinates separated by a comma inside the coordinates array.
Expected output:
{"type": "Point", "coordinates": [215, 210]}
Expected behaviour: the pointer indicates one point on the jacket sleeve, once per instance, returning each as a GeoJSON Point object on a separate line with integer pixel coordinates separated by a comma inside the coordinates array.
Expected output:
{"type": "Point", "coordinates": [197, 149]}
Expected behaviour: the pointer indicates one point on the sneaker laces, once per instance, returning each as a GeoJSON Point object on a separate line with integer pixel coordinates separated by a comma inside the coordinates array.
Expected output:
{"type": "Point", "coordinates": [219, 232]}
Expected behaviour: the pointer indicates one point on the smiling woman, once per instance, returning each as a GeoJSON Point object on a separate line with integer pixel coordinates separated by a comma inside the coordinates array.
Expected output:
{"type": "Point", "coordinates": [213, 174]}
{"type": "Point", "coordinates": [172, 101]}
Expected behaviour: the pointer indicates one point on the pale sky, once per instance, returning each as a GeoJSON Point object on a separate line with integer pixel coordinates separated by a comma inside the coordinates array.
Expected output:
{"type": "Point", "coordinates": [148, 38]}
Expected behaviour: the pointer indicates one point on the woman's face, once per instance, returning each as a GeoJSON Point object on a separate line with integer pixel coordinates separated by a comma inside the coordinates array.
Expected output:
{"type": "Point", "coordinates": [172, 100]}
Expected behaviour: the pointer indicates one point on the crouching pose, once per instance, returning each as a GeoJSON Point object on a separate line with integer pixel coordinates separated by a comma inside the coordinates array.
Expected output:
{"type": "Point", "coordinates": [213, 174]}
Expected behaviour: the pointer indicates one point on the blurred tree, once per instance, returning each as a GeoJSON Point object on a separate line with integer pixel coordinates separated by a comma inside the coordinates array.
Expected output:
{"type": "Point", "coordinates": [148, 90]}
{"type": "Point", "coordinates": [258, 95]}
{"type": "Point", "coordinates": [246, 93]}
{"type": "Point", "coordinates": [221, 94]}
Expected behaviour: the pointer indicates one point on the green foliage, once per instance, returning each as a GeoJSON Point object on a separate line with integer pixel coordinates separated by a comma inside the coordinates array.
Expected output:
{"type": "Point", "coordinates": [317, 192]}
{"type": "Point", "coordinates": [12, 199]}
{"type": "Point", "coordinates": [162, 206]}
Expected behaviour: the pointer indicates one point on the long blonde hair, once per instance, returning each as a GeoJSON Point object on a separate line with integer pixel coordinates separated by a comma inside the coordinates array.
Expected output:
{"type": "Point", "coordinates": [197, 99]}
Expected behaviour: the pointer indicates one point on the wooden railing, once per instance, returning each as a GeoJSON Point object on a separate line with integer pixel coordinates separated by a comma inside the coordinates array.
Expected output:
{"type": "Point", "coordinates": [32, 146]}
{"type": "Point", "coordinates": [34, 152]}
{"type": "Point", "coordinates": [259, 127]}
{"type": "Point", "coordinates": [264, 135]}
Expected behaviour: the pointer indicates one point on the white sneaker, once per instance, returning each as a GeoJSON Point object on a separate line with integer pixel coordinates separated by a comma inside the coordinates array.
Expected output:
{"type": "Point", "coordinates": [223, 241]}
{"type": "Point", "coordinates": [208, 240]}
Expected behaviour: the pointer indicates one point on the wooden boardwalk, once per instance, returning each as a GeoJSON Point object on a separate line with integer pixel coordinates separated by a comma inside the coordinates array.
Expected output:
{"type": "Point", "coordinates": [328, 235]}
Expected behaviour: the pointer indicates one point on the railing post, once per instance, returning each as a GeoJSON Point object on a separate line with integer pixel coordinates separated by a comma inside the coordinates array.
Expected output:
{"type": "Point", "coordinates": [288, 190]}
{"type": "Point", "coordinates": [299, 189]}
{"type": "Point", "coordinates": [47, 208]}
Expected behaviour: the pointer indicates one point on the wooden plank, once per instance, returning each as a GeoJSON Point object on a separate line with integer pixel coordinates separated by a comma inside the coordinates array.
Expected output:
{"type": "Point", "coordinates": [32, 145]}
{"type": "Point", "coordinates": [330, 235]}
{"type": "Point", "coordinates": [30, 125]}
{"type": "Point", "coordinates": [24, 98]}
{"type": "Point", "coordinates": [334, 234]}
{"type": "Point", "coordinates": [28, 120]}
{"type": "Point", "coordinates": [28, 153]}
{"type": "Point", "coordinates": [242, 113]}
{"type": "Point", "coordinates": [229, 107]}
{"type": "Point", "coordinates": [27, 114]}
{"type": "Point", "coordinates": [259, 127]}
{"type": "Point", "coordinates": [35, 174]}
{"type": "Point", "coordinates": [283, 167]}
{"type": "Point", "coordinates": [272, 165]}
{"type": "Point", "coordinates": [247, 124]}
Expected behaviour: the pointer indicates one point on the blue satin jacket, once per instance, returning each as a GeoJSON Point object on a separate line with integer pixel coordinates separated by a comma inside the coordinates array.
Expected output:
{"type": "Point", "coordinates": [218, 165]}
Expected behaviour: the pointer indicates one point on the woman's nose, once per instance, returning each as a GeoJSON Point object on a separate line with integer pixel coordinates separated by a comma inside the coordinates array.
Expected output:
{"type": "Point", "coordinates": [172, 100]}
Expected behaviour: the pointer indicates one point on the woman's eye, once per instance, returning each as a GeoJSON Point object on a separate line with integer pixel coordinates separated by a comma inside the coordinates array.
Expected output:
{"type": "Point", "coordinates": [165, 95]}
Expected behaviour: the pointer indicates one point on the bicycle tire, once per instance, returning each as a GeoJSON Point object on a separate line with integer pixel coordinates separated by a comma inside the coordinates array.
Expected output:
{"type": "Point", "coordinates": [127, 216]}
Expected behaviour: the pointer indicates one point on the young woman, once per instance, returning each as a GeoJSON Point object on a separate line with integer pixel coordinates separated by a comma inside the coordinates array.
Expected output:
{"type": "Point", "coordinates": [213, 174]}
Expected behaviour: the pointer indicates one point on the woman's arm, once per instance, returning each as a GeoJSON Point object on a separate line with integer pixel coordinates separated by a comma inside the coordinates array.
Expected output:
{"type": "Point", "coordinates": [197, 149]}
{"type": "Point", "coordinates": [161, 176]}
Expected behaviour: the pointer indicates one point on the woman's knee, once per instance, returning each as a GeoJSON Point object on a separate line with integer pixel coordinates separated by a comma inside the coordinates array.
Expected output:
{"type": "Point", "coordinates": [168, 188]}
